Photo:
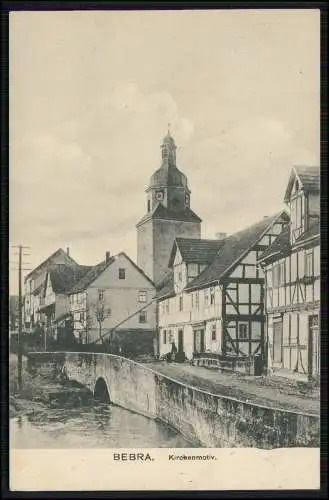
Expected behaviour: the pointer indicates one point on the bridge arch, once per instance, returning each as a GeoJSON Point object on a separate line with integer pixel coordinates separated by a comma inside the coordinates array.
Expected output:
{"type": "Point", "coordinates": [101, 391]}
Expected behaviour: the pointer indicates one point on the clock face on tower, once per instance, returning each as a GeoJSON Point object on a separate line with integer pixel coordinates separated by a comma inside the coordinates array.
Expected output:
{"type": "Point", "coordinates": [159, 195]}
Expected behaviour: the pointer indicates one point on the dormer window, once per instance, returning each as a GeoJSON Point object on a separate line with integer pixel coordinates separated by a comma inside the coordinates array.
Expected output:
{"type": "Point", "coordinates": [296, 186]}
{"type": "Point", "coordinates": [297, 207]}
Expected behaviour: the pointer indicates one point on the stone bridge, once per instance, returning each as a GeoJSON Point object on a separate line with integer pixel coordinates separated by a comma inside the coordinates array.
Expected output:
{"type": "Point", "coordinates": [205, 419]}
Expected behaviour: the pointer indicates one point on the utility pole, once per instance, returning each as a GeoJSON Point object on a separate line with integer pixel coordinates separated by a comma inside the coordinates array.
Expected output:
{"type": "Point", "coordinates": [20, 317]}
{"type": "Point", "coordinates": [20, 313]}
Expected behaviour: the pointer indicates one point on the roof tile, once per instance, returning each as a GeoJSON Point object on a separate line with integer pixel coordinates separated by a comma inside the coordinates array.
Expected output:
{"type": "Point", "coordinates": [234, 248]}
{"type": "Point", "coordinates": [64, 277]}
{"type": "Point", "coordinates": [198, 251]}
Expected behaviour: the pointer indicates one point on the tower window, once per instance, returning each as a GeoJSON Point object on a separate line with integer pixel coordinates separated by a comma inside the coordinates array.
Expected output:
{"type": "Point", "coordinates": [175, 203]}
{"type": "Point", "coordinates": [148, 205]}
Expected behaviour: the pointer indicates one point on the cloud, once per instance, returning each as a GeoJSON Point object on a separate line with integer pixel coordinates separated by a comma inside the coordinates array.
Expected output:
{"type": "Point", "coordinates": [87, 178]}
{"type": "Point", "coordinates": [249, 164]}
{"type": "Point", "coordinates": [91, 97]}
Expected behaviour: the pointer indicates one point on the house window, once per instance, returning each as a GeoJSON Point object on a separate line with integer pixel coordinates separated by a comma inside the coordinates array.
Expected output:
{"type": "Point", "coordinates": [122, 273]}
{"type": "Point", "coordinates": [167, 306]}
{"type": "Point", "coordinates": [180, 303]}
{"type": "Point", "coordinates": [164, 336]}
{"type": "Point", "coordinates": [108, 311]}
{"type": "Point", "coordinates": [309, 264]}
{"type": "Point", "coordinates": [206, 298]}
{"type": "Point", "coordinates": [213, 332]}
{"type": "Point", "coordinates": [142, 296]}
{"type": "Point", "coordinates": [142, 317]}
{"type": "Point", "coordinates": [100, 294]}
{"type": "Point", "coordinates": [82, 316]}
{"type": "Point", "coordinates": [314, 321]}
{"type": "Point", "coordinates": [197, 300]}
{"type": "Point", "coordinates": [212, 296]}
{"type": "Point", "coordinates": [278, 274]}
{"type": "Point", "coordinates": [243, 330]}
{"type": "Point", "coordinates": [192, 271]}
{"type": "Point", "coordinates": [269, 277]}
{"type": "Point", "coordinates": [179, 276]}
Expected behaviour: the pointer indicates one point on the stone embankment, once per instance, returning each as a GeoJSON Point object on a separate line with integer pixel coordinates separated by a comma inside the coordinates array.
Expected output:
{"type": "Point", "coordinates": [209, 419]}
{"type": "Point", "coordinates": [38, 392]}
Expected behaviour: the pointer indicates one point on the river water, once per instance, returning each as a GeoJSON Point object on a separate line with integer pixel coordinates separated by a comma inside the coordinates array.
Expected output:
{"type": "Point", "coordinates": [93, 426]}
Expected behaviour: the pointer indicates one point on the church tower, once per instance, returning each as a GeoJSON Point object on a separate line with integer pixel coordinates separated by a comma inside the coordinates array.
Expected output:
{"type": "Point", "coordinates": [168, 215]}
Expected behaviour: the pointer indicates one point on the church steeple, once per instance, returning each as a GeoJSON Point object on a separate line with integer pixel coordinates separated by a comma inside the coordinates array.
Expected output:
{"type": "Point", "coordinates": [169, 149]}
{"type": "Point", "coordinates": [168, 185]}
{"type": "Point", "coordinates": [168, 214]}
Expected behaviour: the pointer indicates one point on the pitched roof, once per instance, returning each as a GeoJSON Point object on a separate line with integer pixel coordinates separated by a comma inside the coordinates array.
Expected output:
{"type": "Point", "coordinates": [312, 232]}
{"type": "Point", "coordinates": [280, 246]}
{"type": "Point", "coordinates": [166, 289]}
{"type": "Point", "coordinates": [195, 250]}
{"type": "Point", "coordinates": [164, 213]}
{"type": "Point", "coordinates": [91, 276]}
{"type": "Point", "coordinates": [137, 267]}
{"type": "Point", "coordinates": [64, 277]}
{"type": "Point", "coordinates": [309, 178]}
{"type": "Point", "coordinates": [38, 289]}
{"type": "Point", "coordinates": [234, 248]}
{"type": "Point", "coordinates": [58, 251]}
{"type": "Point", "coordinates": [95, 271]}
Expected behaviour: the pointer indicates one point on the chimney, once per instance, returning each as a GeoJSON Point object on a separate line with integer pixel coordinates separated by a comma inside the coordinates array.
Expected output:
{"type": "Point", "coordinates": [221, 236]}
{"type": "Point", "coordinates": [107, 257]}
{"type": "Point", "coordinates": [68, 251]}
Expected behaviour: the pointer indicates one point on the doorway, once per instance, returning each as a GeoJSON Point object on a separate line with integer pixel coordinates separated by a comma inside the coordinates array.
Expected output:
{"type": "Point", "coordinates": [180, 341]}
{"type": "Point", "coordinates": [313, 346]}
{"type": "Point", "coordinates": [198, 341]}
{"type": "Point", "coordinates": [277, 341]}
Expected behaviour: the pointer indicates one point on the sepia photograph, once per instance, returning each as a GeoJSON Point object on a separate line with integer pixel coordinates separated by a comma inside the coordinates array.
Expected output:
{"type": "Point", "coordinates": [164, 247]}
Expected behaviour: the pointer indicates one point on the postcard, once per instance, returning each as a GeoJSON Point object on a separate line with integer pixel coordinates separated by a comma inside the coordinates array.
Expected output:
{"type": "Point", "coordinates": [165, 229]}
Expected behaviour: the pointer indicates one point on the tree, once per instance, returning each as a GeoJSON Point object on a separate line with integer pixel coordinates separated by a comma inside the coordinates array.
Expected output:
{"type": "Point", "coordinates": [100, 316]}
{"type": "Point", "coordinates": [101, 313]}
{"type": "Point", "coordinates": [87, 322]}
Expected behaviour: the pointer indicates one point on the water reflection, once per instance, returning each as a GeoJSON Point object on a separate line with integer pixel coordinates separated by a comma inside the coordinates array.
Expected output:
{"type": "Point", "coordinates": [92, 426]}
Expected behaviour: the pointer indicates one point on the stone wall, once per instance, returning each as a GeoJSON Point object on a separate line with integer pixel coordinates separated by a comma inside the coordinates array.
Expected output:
{"type": "Point", "coordinates": [206, 419]}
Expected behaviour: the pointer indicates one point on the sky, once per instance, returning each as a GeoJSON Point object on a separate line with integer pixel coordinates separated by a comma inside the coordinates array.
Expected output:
{"type": "Point", "coordinates": [91, 96]}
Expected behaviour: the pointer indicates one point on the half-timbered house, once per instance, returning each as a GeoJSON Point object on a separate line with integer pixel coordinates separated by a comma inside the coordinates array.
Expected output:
{"type": "Point", "coordinates": [55, 301]}
{"type": "Point", "coordinates": [292, 274]}
{"type": "Point", "coordinates": [34, 286]}
{"type": "Point", "coordinates": [213, 301]}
